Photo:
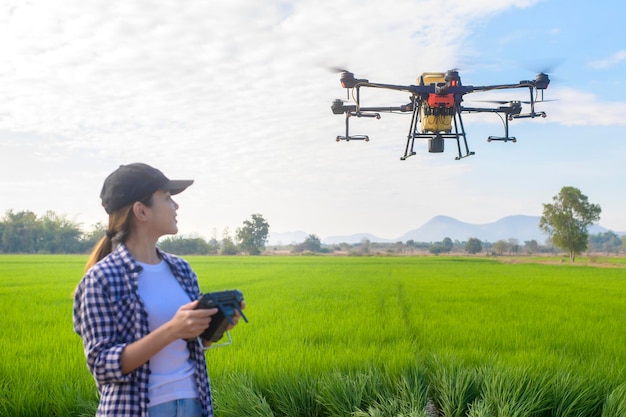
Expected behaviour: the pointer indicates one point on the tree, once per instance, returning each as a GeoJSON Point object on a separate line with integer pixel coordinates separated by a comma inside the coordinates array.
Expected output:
{"type": "Point", "coordinates": [91, 238]}
{"type": "Point", "coordinates": [441, 247]}
{"type": "Point", "coordinates": [436, 248]}
{"type": "Point", "coordinates": [228, 245]}
{"type": "Point", "coordinates": [513, 245]}
{"type": "Point", "coordinates": [311, 244]}
{"type": "Point", "coordinates": [567, 218]}
{"type": "Point", "coordinates": [214, 243]}
{"type": "Point", "coordinates": [447, 244]}
{"type": "Point", "coordinates": [531, 246]}
{"type": "Point", "coordinates": [181, 245]}
{"type": "Point", "coordinates": [365, 245]}
{"type": "Point", "coordinates": [253, 235]}
{"type": "Point", "coordinates": [607, 242]}
{"type": "Point", "coordinates": [500, 247]}
{"type": "Point", "coordinates": [59, 234]}
{"type": "Point", "coordinates": [473, 246]}
{"type": "Point", "coordinates": [24, 232]}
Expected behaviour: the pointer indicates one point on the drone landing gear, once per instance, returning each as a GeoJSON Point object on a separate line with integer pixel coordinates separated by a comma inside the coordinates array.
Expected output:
{"type": "Point", "coordinates": [506, 137]}
{"type": "Point", "coordinates": [354, 137]}
{"type": "Point", "coordinates": [500, 138]}
{"type": "Point", "coordinates": [456, 158]}
{"type": "Point", "coordinates": [403, 158]}
{"type": "Point", "coordinates": [349, 137]}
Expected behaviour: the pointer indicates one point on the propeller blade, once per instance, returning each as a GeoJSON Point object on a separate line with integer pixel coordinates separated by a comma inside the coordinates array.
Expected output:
{"type": "Point", "coordinates": [495, 101]}
{"type": "Point", "coordinates": [511, 101]}
{"type": "Point", "coordinates": [337, 70]}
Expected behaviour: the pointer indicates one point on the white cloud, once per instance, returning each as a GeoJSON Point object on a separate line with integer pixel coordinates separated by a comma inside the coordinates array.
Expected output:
{"type": "Point", "coordinates": [610, 61]}
{"type": "Point", "coordinates": [577, 108]}
{"type": "Point", "coordinates": [236, 94]}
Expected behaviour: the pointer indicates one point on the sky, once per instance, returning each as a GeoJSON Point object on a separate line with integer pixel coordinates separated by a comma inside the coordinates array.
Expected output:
{"type": "Point", "coordinates": [236, 95]}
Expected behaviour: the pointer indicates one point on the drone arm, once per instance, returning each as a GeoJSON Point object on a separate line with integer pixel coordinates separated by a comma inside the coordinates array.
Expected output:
{"type": "Point", "coordinates": [405, 108]}
{"type": "Point", "coordinates": [424, 90]}
{"type": "Point", "coordinates": [521, 84]}
{"type": "Point", "coordinates": [481, 110]}
{"type": "Point", "coordinates": [385, 86]}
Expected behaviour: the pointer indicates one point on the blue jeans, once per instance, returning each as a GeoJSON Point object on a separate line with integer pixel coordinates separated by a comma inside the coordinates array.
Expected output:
{"type": "Point", "coordinates": [187, 407]}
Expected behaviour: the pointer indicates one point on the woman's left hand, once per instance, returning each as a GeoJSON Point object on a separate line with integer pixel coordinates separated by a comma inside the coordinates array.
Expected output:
{"type": "Point", "coordinates": [237, 316]}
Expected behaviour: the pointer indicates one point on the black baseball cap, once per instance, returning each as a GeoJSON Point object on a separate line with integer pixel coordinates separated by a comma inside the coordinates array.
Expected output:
{"type": "Point", "coordinates": [135, 182]}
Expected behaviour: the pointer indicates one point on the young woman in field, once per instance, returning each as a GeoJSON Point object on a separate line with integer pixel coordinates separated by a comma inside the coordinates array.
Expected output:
{"type": "Point", "coordinates": [135, 307]}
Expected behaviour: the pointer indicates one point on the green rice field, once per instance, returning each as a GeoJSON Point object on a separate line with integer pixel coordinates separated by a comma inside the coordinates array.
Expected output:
{"type": "Point", "coordinates": [335, 336]}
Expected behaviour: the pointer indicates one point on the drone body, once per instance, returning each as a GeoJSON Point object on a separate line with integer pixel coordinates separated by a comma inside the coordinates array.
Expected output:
{"type": "Point", "coordinates": [436, 108]}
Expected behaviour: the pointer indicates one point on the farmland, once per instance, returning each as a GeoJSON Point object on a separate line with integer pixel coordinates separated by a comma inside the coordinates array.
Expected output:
{"type": "Point", "coordinates": [360, 336]}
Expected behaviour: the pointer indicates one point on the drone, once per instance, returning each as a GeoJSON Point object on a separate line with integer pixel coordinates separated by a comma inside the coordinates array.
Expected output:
{"type": "Point", "coordinates": [435, 105]}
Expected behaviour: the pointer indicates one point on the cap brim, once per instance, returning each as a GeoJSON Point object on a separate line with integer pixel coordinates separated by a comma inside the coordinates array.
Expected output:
{"type": "Point", "coordinates": [177, 186]}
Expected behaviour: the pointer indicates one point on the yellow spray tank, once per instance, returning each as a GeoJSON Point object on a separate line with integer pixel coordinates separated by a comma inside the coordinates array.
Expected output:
{"type": "Point", "coordinates": [436, 113]}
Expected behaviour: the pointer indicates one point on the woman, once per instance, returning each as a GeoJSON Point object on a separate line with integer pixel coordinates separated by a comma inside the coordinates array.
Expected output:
{"type": "Point", "coordinates": [135, 306]}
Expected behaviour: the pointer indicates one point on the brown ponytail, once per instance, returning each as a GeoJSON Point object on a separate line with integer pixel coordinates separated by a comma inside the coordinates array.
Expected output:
{"type": "Point", "coordinates": [119, 226]}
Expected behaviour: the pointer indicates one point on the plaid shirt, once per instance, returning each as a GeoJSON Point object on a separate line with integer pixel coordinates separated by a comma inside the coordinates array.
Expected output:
{"type": "Point", "coordinates": [109, 314]}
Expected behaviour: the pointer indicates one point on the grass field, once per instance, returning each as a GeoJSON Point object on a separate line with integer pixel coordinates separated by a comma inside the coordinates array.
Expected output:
{"type": "Point", "coordinates": [356, 336]}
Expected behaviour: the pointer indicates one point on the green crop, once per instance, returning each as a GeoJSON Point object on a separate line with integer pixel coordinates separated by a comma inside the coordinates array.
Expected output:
{"type": "Point", "coordinates": [354, 336]}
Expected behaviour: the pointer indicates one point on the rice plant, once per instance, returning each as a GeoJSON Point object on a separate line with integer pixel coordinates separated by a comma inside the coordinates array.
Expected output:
{"type": "Point", "coordinates": [574, 397]}
{"type": "Point", "coordinates": [346, 336]}
{"type": "Point", "coordinates": [295, 396]}
{"type": "Point", "coordinates": [479, 409]}
{"type": "Point", "coordinates": [343, 394]}
{"type": "Point", "coordinates": [404, 395]}
{"type": "Point", "coordinates": [239, 396]}
{"type": "Point", "coordinates": [615, 405]}
{"type": "Point", "coordinates": [453, 386]}
{"type": "Point", "coordinates": [515, 392]}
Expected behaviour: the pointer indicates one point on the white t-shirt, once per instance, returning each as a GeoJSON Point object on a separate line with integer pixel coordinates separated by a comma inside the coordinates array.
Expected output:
{"type": "Point", "coordinates": [171, 370]}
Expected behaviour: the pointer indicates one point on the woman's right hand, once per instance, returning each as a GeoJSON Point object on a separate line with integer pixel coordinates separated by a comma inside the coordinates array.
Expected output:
{"type": "Point", "coordinates": [189, 323]}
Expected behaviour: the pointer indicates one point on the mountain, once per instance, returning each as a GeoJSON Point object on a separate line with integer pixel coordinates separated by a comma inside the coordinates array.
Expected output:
{"type": "Point", "coordinates": [520, 227]}
{"type": "Point", "coordinates": [333, 240]}
{"type": "Point", "coordinates": [287, 238]}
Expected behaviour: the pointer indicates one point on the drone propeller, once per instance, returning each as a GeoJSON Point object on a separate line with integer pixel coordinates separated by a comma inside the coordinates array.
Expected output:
{"type": "Point", "coordinates": [510, 102]}
{"type": "Point", "coordinates": [347, 79]}
{"type": "Point", "coordinates": [498, 101]}
{"type": "Point", "coordinates": [337, 70]}
{"type": "Point", "coordinates": [543, 65]}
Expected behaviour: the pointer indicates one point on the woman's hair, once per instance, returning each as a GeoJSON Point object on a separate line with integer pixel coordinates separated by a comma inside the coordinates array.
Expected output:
{"type": "Point", "coordinates": [120, 225]}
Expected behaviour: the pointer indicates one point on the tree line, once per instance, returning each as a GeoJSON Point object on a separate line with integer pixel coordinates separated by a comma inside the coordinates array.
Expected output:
{"type": "Point", "coordinates": [565, 220]}
{"type": "Point", "coordinates": [52, 233]}
{"type": "Point", "coordinates": [26, 232]}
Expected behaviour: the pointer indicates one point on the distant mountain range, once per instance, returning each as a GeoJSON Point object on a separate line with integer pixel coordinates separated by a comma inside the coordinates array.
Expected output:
{"type": "Point", "coordinates": [518, 227]}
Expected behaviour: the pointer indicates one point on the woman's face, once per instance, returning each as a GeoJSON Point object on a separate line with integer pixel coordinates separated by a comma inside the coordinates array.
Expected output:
{"type": "Point", "coordinates": [163, 213]}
